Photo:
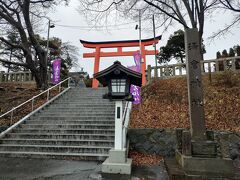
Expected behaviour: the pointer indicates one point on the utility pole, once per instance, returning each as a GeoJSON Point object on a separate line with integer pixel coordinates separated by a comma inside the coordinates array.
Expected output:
{"type": "Point", "coordinates": [155, 48]}
{"type": "Point", "coordinates": [49, 26]}
{"type": "Point", "coordinates": [140, 34]}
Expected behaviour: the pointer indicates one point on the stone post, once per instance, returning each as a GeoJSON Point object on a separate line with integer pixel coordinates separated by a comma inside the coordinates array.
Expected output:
{"type": "Point", "coordinates": [234, 64]}
{"type": "Point", "coordinates": [161, 72]}
{"type": "Point", "coordinates": [1, 76]}
{"type": "Point", "coordinates": [217, 65]}
{"type": "Point", "coordinates": [149, 69]}
{"type": "Point", "coordinates": [24, 77]}
{"type": "Point", "coordinates": [118, 125]}
{"type": "Point", "coordinates": [14, 77]}
{"type": "Point", "coordinates": [194, 82]}
{"type": "Point", "coordinates": [180, 70]}
{"type": "Point", "coordinates": [224, 64]}
{"type": "Point", "coordinates": [174, 70]}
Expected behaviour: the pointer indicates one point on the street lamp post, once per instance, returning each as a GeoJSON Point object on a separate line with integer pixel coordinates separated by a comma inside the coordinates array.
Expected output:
{"type": "Point", "coordinates": [139, 27]}
{"type": "Point", "coordinates": [49, 26]}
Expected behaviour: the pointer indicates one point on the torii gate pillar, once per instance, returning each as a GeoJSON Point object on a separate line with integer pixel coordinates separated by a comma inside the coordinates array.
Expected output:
{"type": "Point", "coordinates": [119, 45]}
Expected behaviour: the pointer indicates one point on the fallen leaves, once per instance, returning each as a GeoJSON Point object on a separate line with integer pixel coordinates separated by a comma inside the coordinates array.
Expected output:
{"type": "Point", "coordinates": [165, 105]}
{"type": "Point", "coordinates": [140, 159]}
{"type": "Point", "coordinates": [16, 93]}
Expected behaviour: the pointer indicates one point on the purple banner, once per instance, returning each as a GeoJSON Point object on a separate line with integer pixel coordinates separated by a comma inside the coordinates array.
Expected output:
{"type": "Point", "coordinates": [136, 93]}
{"type": "Point", "coordinates": [137, 60]}
{"type": "Point", "coordinates": [56, 65]}
{"type": "Point", "coordinates": [134, 68]}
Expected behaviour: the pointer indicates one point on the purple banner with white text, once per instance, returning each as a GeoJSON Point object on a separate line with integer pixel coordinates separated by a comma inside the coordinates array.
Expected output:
{"type": "Point", "coordinates": [136, 93]}
{"type": "Point", "coordinates": [137, 60]}
{"type": "Point", "coordinates": [135, 90]}
{"type": "Point", "coordinates": [56, 65]}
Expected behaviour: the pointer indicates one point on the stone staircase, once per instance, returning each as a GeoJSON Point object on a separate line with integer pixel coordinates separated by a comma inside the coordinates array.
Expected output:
{"type": "Point", "coordinates": [78, 125]}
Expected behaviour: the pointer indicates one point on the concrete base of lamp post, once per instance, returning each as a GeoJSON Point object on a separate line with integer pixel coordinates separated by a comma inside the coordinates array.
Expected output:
{"type": "Point", "coordinates": [117, 163]}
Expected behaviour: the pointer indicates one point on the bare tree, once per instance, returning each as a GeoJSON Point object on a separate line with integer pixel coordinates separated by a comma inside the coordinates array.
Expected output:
{"type": "Point", "coordinates": [189, 13]}
{"type": "Point", "coordinates": [229, 5]}
{"type": "Point", "coordinates": [18, 15]}
{"type": "Point", "coordinates": [233, 5]}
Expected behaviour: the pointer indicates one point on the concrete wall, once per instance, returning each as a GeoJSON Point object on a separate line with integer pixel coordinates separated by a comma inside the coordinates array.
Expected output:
{"type": "Point", "coordinates": [163, 142]}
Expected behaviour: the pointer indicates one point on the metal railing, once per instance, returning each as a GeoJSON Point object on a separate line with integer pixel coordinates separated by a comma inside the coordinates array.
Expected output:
{"type": "Point", "coordinates": [207, 66]}
{"type": "Point", "coordinates": [32, 100]}
{"type": "Point", "coordinates": [126, 118]}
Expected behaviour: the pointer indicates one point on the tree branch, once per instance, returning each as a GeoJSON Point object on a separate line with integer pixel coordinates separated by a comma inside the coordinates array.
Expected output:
{"type": "Point", "coordinates": [12, 45]}
{"type": "Point", "coordinates": [165, 12]}
{"type": "Point", "coordinates": [229, 6]}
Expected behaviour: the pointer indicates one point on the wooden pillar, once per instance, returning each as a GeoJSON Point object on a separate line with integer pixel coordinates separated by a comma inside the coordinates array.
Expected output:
{"type": "Point", "coordinates": [96, 67]}
{"type": "Point", "coordinates": [143, 65]}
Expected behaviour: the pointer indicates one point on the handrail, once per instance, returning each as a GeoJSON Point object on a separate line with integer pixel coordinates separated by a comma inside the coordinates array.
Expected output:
{"type": "Point", "coordinates": [126, 117]}
{"type": "Point", "coordinates": [34, 97]}
{"type": "Point", "coordinates": [125, 113]}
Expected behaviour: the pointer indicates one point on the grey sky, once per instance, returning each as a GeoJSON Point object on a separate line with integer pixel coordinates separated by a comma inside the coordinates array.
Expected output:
{"type": "Point", "coordinates": [69, 16]}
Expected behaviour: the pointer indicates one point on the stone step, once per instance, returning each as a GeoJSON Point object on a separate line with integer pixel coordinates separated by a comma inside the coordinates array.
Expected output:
{"type": "Point", "coordinates": [77, 102]}
{"type": "Point", "coordinates": [57, 148]}
{"type": "Point", "coordinates": [109, 136]}
{"type": "Point", "coordinates": [74, 118]}
{"type": "Point", "coordinates": [78, 125]}
{"type": "Point", "coordinates": [70, 106]}
{"type": "Point", "coordinates": [78, 109]}
{"type": "Point", "coordinates": [85, 96]}
{"type": "Point", "coordinates": [32, 121]}
{"type": "Point", "coordinates": [88, 90]}
{"type": "Point", "coordinates": [67, 126]}
{"type": "Point", "coordinates": [90, 94]}
{"type": "Point", "coordinates": [81, 101]}
{"type": "Point", "coordinates": [62, 142]}
{"type": "Point", "coordinates": [65, 131]}
{"type": "Point", "coordinates": [81, 95]}
{"type": "Point", "coordinates": [78, 113]}
{"type": "Point", "coordinates": [55, 155]}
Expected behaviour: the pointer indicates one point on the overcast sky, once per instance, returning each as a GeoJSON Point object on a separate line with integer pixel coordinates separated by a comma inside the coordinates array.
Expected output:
{"type": "Point", "coordinates": [68, 16]}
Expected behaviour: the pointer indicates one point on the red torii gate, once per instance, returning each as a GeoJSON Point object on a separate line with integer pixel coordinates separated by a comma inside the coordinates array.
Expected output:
{"type": "Point", "coordinates": [119, 45]}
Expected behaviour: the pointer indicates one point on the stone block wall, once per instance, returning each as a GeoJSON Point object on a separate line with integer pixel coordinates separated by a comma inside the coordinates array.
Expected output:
{"type": "Point", "coordinates": [153, 141]}
{"type": "Point", "coordinates": [163, 142]}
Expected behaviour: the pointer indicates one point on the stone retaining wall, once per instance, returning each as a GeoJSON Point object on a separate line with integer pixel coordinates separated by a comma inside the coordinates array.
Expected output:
{"type": "Point", "coordinates": [163, 142]}
{"type": "Point", "coordinates": [153, 141]}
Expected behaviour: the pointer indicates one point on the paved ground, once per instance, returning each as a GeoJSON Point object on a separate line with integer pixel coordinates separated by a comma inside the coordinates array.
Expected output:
{"type": "Point", "coordinates": [45, 169]}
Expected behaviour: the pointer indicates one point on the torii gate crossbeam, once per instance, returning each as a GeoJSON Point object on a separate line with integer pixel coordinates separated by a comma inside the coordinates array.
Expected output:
{"type": "Point", "coordinates": [119, 45]}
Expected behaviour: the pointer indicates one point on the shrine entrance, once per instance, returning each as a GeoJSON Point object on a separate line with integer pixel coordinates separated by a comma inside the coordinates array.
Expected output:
{"type": "Point", "coordinates": [97, 46]}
